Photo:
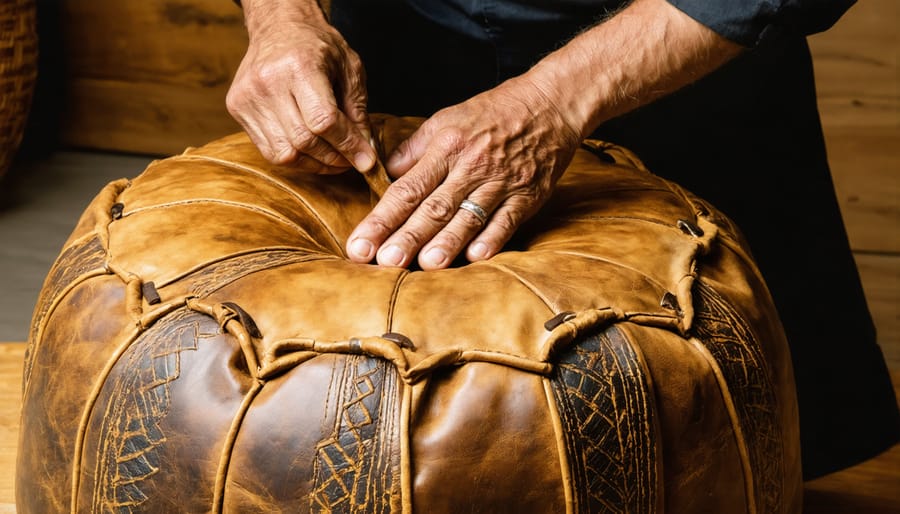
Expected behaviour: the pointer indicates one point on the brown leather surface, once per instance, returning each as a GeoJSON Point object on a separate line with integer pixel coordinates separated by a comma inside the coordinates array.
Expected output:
{"type": "Point", "coordinates": [267, 379]}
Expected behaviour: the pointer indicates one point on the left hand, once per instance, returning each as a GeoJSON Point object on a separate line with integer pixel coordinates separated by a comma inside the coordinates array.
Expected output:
{"type": "Point", "coordinates": [503, 149]}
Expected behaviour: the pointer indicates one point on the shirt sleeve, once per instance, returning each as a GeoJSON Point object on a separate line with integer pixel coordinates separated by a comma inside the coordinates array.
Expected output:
{"type": "Point", "coordinates": [750, 22]}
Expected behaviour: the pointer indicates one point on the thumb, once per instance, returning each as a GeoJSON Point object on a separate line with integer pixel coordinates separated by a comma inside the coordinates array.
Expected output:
{"type": "Point", "coordinates": [408, 153]}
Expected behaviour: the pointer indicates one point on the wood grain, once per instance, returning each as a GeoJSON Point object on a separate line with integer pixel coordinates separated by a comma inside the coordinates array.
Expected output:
{"type": "Point", "coordinates": [149, 77]}
{"type": "Point", "coordinates": [857, 66]}
{"type": "Point", "coordinates": [144, 117]}
{"type": "Point", "coordinates": [865, 162]}
{"type": "Point", "coordinates": [11, 358]}
{"type": "Point", "coordinates": [880, 275]}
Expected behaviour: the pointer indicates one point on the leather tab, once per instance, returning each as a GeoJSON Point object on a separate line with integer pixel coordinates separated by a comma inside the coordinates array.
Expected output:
{"type": "Point", "coordinates": [558, 320]}
{"type": "Point", "coordinates": [148, 289]}
{"type": "Point", "coordinates": [244, 319]}
{"type": "Point", "coordinates": [689, 228]}
{"type": "Point", "coordinates": [670, 301]}
{"type": "Point", "coordinates": [377, 177]}
{"type": "Point", "coordinates": [401, 340]}
{"type": "Point", "coordinates": [115, 212]}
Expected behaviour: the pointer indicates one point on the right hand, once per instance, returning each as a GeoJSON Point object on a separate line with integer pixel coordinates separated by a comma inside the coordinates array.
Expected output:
{"type": "Point", "coordinates": [300, 94]}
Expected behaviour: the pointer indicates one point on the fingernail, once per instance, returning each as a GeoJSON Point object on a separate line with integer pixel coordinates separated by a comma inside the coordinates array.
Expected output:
{"type": "Point", "coordinates": [361, 249]}
{"type": "Point", "coordinates": [392, 256]}
{"type": "Point", "coordinates": [435, 257]}
{"type": "Point", "coordinates": [364, 161]}
{"type": "Point", "coordinates": [478, 251]}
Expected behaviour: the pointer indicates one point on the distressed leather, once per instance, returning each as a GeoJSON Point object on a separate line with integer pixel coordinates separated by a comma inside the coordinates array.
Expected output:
{"type": "Point", "coordinates": [203, 345]}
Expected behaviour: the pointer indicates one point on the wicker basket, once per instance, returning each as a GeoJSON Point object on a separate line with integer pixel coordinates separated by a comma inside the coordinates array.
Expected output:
{"type": "Point", "coordinates": [18, 71]}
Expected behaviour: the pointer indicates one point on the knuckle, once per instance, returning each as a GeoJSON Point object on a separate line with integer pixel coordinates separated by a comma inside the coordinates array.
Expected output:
{"type": "Point", "coordinates": [346, 143]}
{"type": "Point", "coordinates": [471, 222]}
{"type": "Point", "coordinates": [450, 138]}
{"type": "Point", "coordinates": [406, 193]}
{"type": "Point", "coordinates": [283, 154]}
{"type": "Point", "coordinates": [451, 240]}
{"type": "Point", "coordinates": [268, 72]}
{"type": "Point", "coordinates": [409, 239]}
{"type": "Point", "coordinates": [377, 225]}
{"type": "Point", "coordinates": [322, 120]}
{"type": "Point", "coordinates": [507, 220]}
{"type": "Point", "coordinates": [438, 207]}
{"type": "Point", "coordinates": [234, 101]}
{"type": "Point", "coordinates": [332, 158]}
{"type": "Point", "coordinates": [524, 179]}
{"type": "Point", "coordinates": [302, 139]}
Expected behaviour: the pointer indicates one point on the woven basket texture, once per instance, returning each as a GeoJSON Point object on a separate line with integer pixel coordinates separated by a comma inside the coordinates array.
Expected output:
{"type": "Point", "coordinates": [18, 73]}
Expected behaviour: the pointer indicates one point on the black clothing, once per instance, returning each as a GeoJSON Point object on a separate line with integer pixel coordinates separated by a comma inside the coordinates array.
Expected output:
{"type": "Point", "coordinates": [747, 138]}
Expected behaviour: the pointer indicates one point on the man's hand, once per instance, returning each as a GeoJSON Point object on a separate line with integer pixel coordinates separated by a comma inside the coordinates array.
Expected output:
{"type": "Point", "coordinates": [503, 150]}
{"type": "Point", "coordinates": [300, 90]}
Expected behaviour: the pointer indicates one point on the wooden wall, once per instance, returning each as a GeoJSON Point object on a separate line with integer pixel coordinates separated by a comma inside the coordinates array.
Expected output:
{"type": "Point", "coordinates": [151, 77]}
{"type": "Point", "coordinates": [148, 76]}
{"type": "Point", "coordinates": [857, 66]}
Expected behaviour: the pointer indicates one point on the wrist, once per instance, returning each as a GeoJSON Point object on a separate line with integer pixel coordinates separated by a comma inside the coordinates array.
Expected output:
{"type": "Point", "coordinates": [646, 51]}
{"type": "Point", "coordinates": [564, 84]}
{"type": "Point", "coordinates": [261, 15]}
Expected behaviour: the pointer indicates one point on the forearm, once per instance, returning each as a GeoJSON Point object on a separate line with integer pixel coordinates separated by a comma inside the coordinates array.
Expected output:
{"type": "Point", "coordinates": [648, 50]}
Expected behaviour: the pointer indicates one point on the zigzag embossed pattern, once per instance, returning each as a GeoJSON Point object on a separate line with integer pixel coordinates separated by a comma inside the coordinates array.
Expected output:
{"type": "Point", "coordinates": [354, 467]}
{"type": "Point", "coordinates": [217, 275]}
{"type": "Point", "coordinates": [605, 406]}
{"type": "Point", "coordinates": [130, 434]}
{"type": "Point", "coordinates": [729, 339]}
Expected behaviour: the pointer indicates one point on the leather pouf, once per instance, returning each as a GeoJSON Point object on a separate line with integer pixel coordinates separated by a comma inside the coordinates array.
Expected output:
{"type": "Point", "coordinates": [202, 345]}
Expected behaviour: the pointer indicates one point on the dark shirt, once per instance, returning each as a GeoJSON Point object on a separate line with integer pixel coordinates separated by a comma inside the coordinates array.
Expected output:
{"type": "Point", "coordinates": [747, 22]}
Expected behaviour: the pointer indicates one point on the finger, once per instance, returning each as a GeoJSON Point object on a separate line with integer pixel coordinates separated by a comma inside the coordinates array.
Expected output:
{"type": "Point", "coordinates": [308, 165]}
{"type": "Point", "coordinates": [294, 139]}
{"type": "Point", "coordinates": [450, 241]}
{"type": "Point", "coordinates": [255, 134]}
{"type": "Point", "coordinates": [408, 153]}
{"type": "Point", "coordinates": [321, 116]}
{"type": "Point", "coordinates": [501, 226]}
{"type": "Point", "coordinates": [354, 97]}
{"type": "Point", "coordinates": [395, 210]}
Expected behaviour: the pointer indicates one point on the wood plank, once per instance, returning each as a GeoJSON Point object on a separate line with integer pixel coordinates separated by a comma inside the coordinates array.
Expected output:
{"type": "Point", "coordinates": [144, 117]}
{"type": "Point", "coordinates": [149, 77]}
{"type": "Point", "coordinates": [865, 162]}
{"type": "Point", "coordinates": [11, 358]}
{"type": "Point", "coordinates": [880, 275]}
{"type": "Point", "coordinates": [195, 42]}
{"type": "Point", "coordinates": [857, 65]}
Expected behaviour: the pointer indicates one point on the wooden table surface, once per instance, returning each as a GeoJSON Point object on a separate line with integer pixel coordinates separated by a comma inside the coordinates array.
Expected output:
{"type": "Point", "coordinates": [11, 357]}
{"type": "Point", "coordinates": [869, 488]}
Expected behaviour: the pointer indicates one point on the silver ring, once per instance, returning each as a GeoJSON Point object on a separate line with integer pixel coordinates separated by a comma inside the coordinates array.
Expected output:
{"type": "Point", "coordinates": [475, 209]}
